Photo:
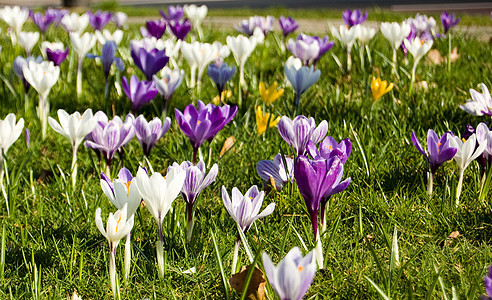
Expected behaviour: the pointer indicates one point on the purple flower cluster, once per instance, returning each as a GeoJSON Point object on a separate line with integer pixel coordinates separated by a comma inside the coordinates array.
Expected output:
{"type": "Point", "coordinates": [99, 19]}
{"type": "Point", "coordinates": [309, 49]}
{"type": "Point", "coordinates": [265, 24]}
{"type": "Point", "coordinates": [355, 17]}
{"type": "Point", "coordinates": [288, 25]}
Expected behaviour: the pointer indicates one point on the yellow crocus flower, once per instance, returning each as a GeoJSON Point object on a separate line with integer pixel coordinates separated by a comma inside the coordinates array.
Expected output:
{"type": "Point", "coordinates": [262, 120]}
{"type": "Point", "coordinates": [379, 87]}
{"type": "Point", "coordinates": [271, 94]}
{"type": "Point", "coordinates": [223, 96]}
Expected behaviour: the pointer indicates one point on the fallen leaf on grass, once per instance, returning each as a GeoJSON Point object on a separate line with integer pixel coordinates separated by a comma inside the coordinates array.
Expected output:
{"type": "Point", "coordinates": [256, 287]}
{"type": "Point", "coordinates": [435, 57]}
{"type": "Point", "coordinates": [227, 145]}
{"type": "Point", "coordinates": [454, 235]}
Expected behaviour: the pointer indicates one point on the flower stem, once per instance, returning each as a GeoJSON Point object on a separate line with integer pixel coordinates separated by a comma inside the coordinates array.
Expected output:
{"type": "Point", "coordinates": [449, 53]}
{"type": "Point", "coordinates": [362, 61]}
{"type": "Point", "coordinates": [191, 220]}
{"type": "Point", "coordinates": [73, 168]}
{"type": "Point", "coordinates": [410, 91]}
{"type": "Point", "coordinates": [160, 252]}
{"type": "Point", "coordinates": [323, 210]}
{"type": "Point", "coordinates": [43, 109]}
{"type": "Point", "coordinates": [112, 270]}
{"type": "Point", "coordinates": [430, 183]}
{"type": "Point", "coordinates": [319, 251]}
{"type": "Point", "coordinates": [128, 256]}
{"type": "Point", "coordinates": [106, 96]}
{"type": "Point", "coordinates": [195, 152]}
{"type": "Point", "coordinates": [79, 77]}
{"type": "Point", "coordinates": [349, 60]}
{"type": "Point", "coordinates": [459, 188]}
{"type": "Point", "coordinates": [393, 70]}
{"type": "Point", "coordinates": [236, 254]}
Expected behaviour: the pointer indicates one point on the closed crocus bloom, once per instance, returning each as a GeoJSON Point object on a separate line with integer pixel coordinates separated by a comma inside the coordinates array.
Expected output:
{"type": "Point", "coordinates": [117, 226]}
{"type": "Point", "coordinates": [293, 275]}
{"type": "Point", "coordinates": [139, 92]}
{"type": "Point", "coordinates": [42, 21]}
{"type": "Point", "coordinates": [171, 80]}
{"type": "Point", "coordinates": [9, 133]}
{"type": "Point", "coordinates": [365, 34]}
{"type": "Point", "coordinates": [273, 171]}
{"type": "Point", "coordinates": [174, 13]}
{"type": "Point", "coordinates": [241, 47]}
{"type": "Point", "coordinates": [480, 104]}
{"type": "Point", "coordinates": [19, 63]}
{"type": "Point", "coordinates": [27, 40]}
{"type": "Point", "coordinates": [99, 19]}
{"type": "Point", "coordinates": [287, 25]}
{"type": "Point", "coordinates": [329, 148]}
{"type": "Point", "coordinates": [465, 154]}
{"type": "Point", "coordinates": [353, 18]}
{"type": "Point", "coordinates": [395, 33]}
{"type": "Point", "coordinates": [379, 87]}
{"type": "Point", "coordinates": [180, 28]}
{"type": "Point", "coordinates": [105, 36]}
{"type": "Point", "coordinates": [196, 14]}
{"type": "Point", "coordinates": [75, 23]}
{"type": "Point", "coordinates": [41, 76]}
{"type": "Point", "coordinates": [448, 21]}
{"type": "Point", "coordinates": [304, 47]}
{"type": "Point", "coordinates": [154, 28]}
{"type": "Point", "coordinates": [159, 192]}
{"type": "Point", "coordinates": [196, 181]}
{"type": "Point", "coordinates": [271, 94]}
{"type": "Point", "coordinates": [148, 133]}
{"type": "Point", "coordinates": [298, 132]}
{"type": "Point", "coordinates": [440, 150]}
{"type": "Point", "coordinates": [418, 48]}
{"type": "Point", "coordinates": [107, 58]}
{"type": "Point", "coordinates": [55, 52]}
{"type": "Point", "coordinates": [82, 44]}
{"type": "Point", "coordinates": [149, 62]}
{"type": "Point", "coordinates": [15, 17]}
{"type": "Point", "coordinates": [264, 120]}
{"type": "Point", "coordinates": [198, 56]}
{"type": "Point", "coordinates": [119, 19]}
{"type": "Point", "coordinates": [301, 79]}
{"type": "Point", "coordinates": [220, 74]}
{"type": "Point", "coordinates": [345, 35]}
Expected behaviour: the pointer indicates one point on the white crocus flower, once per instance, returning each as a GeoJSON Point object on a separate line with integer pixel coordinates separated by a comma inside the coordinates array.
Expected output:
{"type": "Point", "coordinates": [171, 80]}
{"type": "Point", "coordinates": [172, 48]}
{"type": "Point", "coordinates": [196, 15]}
{"type": "Point", "coordinates": [148, 43]}
{"type": "Point", "coordinates": [241, 47]}
{"type": "Point", "coordinates": [123, 191]}
{"type": "Point", "coordinates": [81, 44]}
{"type": "Point", "coordinates": [159, 193]}
{"type": "Point", "coordinates": [418, 48]}
{"type": "Point", "coordinates": [74, 127]}
{"type": "Point", "coordinates": [364, 36]}
{"type": "Point", "coordinates": [465, 154]}
{"type": "Point", "coordinates": [15, 17]}
{"type": "Point", "coordinates": [106, 35]}
{"type": "Point", "coordinates": [27, 40]}
{"type": "Point", "coordinates": [9, 133]}
{"type": "Point", "coordinates": [347, 37]}
{"type": "Point", "coordinates": [118, 226]}
{"type": "Point", "coordinates": [198, 56]}
{"type": "Point", "coordinates": [479, 104]}
{"type": "Point", "coordinates": [75, 22]}
{"type": "Point", "coordinates": [395, 33]}
{"type": "Point", "coordinates": [42, 76]}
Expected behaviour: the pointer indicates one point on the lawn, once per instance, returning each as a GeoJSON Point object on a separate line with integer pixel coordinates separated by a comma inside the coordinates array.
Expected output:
{"type": "Point", "coordinates": [50, 244]}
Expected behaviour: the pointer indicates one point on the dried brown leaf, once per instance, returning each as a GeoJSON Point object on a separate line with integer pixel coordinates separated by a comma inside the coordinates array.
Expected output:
{"type": "Point", "coordinates": [256, 287]}
{"type": "Point", "coordinates": [227, 145]}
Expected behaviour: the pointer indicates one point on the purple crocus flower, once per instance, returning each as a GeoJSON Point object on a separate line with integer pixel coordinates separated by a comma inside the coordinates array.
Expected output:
{"type": "Point", "coordinates": [124, 175]}
{"type": "Point", "coordinates": [440, 151]}
{"type": "Point", "coordinates": [42, 21]}
{"type": "Point", "coordinates": [154, 28]}
{"type": "Point", "coordinates": [19, 63]}
{"type": "Point", "coordinates": [148, 133]}
{"type": "Point", "coordinates": [305, 47]}
{"type": "Point", "coordinates": [298, 132]}
{"type": "Point", "coordinates": [204, 123]}
{"type": "Point", "coordinates": [99, 19]}
{"type": "Point", "coordinates": [109, 137]}
{"type": "Point", "coordinates": [274, 170]}
{"type": "Point", "coordinates": [329, 148]}
{"type": "Point", "coordinates": [287, 25]}
{"type": "Point", "coordinates": [324, 45]}
{"type": "Point", "coordinates": [139, 92]}
{"type": "Point", "coordinates": [293, 275]}
{"type": "Point", "coordinates": [174, 13]}
{"type": "Point", "coordinates": [196, 181]}
{"type": "Point", "coordinates": [180, 28]}
{"type": "Point", "coordinates": [150, 62]}
{"type": "Point", "coordinates": [220, 74]}
{"type": "Point", "coordinates": [448, 21]}
{"type": "Point", "coordinates": [301, 79]}
{"type": "Point", "coordinates": [487, 280]}
{"type": "Point", "coordinates": [107, 57]}
{"type": "Point", "coordinates": [314, 179]}
{"type": "Point", "coordinates": [352, 18]}
{"type": "Point", "coordinates": [57, 13]}
{"type": "Point", "coordinates": [57, 56]}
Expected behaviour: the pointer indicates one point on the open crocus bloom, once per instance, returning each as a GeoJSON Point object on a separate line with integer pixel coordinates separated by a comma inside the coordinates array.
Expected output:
{"type": "Point", "coordinates": [75, 126]}
{"type": "Point", "coordinates": [75, 23]}
{"type": "Point", "coordinates": [122, 190]}
{"type": "Point", "coordinates": [264, 120]}
{"type": "Point", "coordinates": [395, 33]}
{"type": "Point", "coordinates": [298, 132]}
{"type": "Point", "coordinates": [293, 275]}
{"type": "Point", "coordinates": [440, 150]}
{"type": "Point", "coordinates": [287, 25]}
{"type": "Point", "coordinates": [27, 40]}
{"type": "Point", "coordinates": [345, 35]}
{"type": "Point", "coordinates": [55, 52]}
{"type": "Point", "coordinates": [148, 133]}
{"type": "Point", "coordinates": [15, 17]}
{"type": "Point", "coordinates": [417, 47]}
{"type": "Point", "coordinates": [379, 87]}
{"type": "Point", "coordinates": [245, 209]}
{"type": "Point", "coordinates": [480, 104]}
{"type": "Point", "coordinates": [329, 148]}
{"type": "Point", "coordinates": [106, 35]}
{"type": "Point", "coordinates": [305, 48]}
{"type": "Point", "coordinates": [9, 133]}
{"type": "Point", "coordinates": [117, 226]}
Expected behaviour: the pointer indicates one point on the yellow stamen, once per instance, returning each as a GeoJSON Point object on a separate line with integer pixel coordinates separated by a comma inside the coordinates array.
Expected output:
{"type": "Point", "coordinates": [127, 184]}
{"type": "Point", "coordinates": [329, 147]}
{"type": "Point", "coordinates": [300, 268]}
{"type": "Point", "coordinates": [118, 223]}
{"type": "Point", "coordinates": [463, 139]}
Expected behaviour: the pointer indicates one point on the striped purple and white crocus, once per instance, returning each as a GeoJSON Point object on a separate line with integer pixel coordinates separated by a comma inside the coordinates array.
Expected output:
{"type": "Point", "coordinates": [274, 171]}
{"type": "Point", "coordinates": [293, 275]}
{"type": "Point", "coordinates": [196, 181]}
{"type": "Point", "coordinates": [148, 133]}
{"type": "Point", "coordinates": [245, 209]}
{"type": "Point", "coordinates": [298, 132]}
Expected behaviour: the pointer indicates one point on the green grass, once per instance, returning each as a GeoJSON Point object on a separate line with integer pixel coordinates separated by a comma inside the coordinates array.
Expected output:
{"type": "Point", "coordinates": [52, 246]}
